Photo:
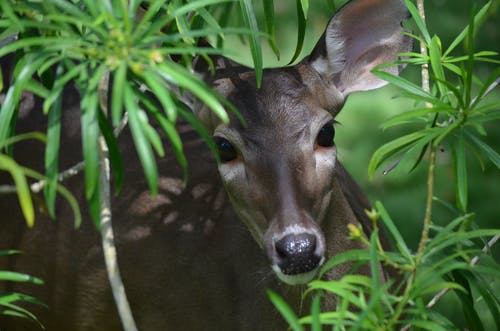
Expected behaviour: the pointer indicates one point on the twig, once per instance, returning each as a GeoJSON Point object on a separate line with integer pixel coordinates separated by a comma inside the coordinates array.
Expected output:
{"type": "Point", "coordinates": [432, 155]}
{"type": "Point", "coordinates": [38, 186]}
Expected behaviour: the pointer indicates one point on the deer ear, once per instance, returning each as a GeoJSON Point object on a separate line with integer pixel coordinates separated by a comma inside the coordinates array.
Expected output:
{"type": "Point", "coordinates": [362, 35]}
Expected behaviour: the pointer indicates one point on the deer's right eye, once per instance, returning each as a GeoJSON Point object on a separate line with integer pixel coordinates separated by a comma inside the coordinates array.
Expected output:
{"type": "Point", "coordinates": [226, 150]}
{"type": "Point", "coordinates": [326, 135]}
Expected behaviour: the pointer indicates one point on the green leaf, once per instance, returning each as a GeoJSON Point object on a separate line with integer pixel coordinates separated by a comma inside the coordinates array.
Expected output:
{"type": "Point", "coordinates": [169, 129]}
{"type": "Point", "coordinates": [19, 277]}
{"type": "Point", "coordinates": [202, 131]}
{"type": "Point", "coordinates": [37, 89]}
{"type": "Point", "coordinates": [436, 287]}
{"type": "Point", "coordinates": [1, 80]}
{"type": "Point", "coordinates": [301, 32]}
{"type": "Point", "coordinates": [22, 188]}
{"type": "Point", "coordinates": [353, 255]}
{"type": "Point", "coordinates": [270, 26]}
{"type": "Point", "coordinates": [460, 165]}
{"type": "Point", "coordinates": [436, 65]}
{"type": "Point", "coordinates": [119, 77]}
{"type": "Point", "coordinates": [150, 133]}
{"type": "Point", "coordinates": [63, 191]}
{"type": "Point", "coordinates": [59, 83]}
{"type": "Point", "coordinates": [141, 143]}
{"type": "Point", "coordinates": [181, 77]}
{"type": "Point", "coordinates": [23, 136]}
{"type": "Point", "coordinates": [374, 262]}
{"type": "Point", "coordinates": [382, 152]}
{"type": "Point", "coordinates": [255, 49]}
{"type": "Point", "coordinates": [9, 252]}
{"type": "Point", "coordinates": [418, 20]}
{"type": "Point", "coordinates": [90, 133]}
{"type": "Point", "coordinates": [51, 44]}
{"type": "Point", "coordinates": [52, 150]}
{"type": "Point", "coordinates": [478, 18]}
{"type": "Point", "coordinates": [285, 310]}
{"type": "Point", "coordinates": [160, 90]}
{"type": "Point", "coordinates": [435, 246]}
{"type": "Point", "coordinates": [13, 95]}
{"type": "Point", "coordinates": [415, 113]}
{"type": "Point", "coordinates": [316, 314]}
{"type": "Point", "coordinates": [428, 325]}
{"type": "Point", "coordinates": [403, 84]}
{"type": "Point", "coordinates": [490, 83]}
{"type": "Point", "coordinates": [487, 150]}
{"type": "Point", "coordinates": [472, 319]}
{"type": "Point", "coordinates": [488, 295]}
{"type": "Point", "coordinates": [394, 232]}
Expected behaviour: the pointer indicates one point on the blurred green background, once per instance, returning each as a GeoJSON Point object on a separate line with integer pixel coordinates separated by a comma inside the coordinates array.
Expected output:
{"type": "Point", "coordinates": [358, 135]}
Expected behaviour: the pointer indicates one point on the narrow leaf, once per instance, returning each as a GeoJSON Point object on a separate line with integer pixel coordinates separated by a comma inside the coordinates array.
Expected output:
{"type": "Point", "coordinates": [251, 23]}
{"type": "Point", "coordinates": [285, 310]}
{"type": "Point", "coordinates": [23, 190]}
{"type": "Point", "coordinates": [477, 20]}
{"type": "Point", "coordinates": [141, 143]}
{"type": "Point", "coordinates": [418, 20]}
{"type": "Point", "coordinates": [119, 78]}
{"type": "Point", "coordinates": [52, 149]}
{"type": "Point", "coordinates": [301, 22]}
{"type": "Point", "coordinates": [270, 26]}
{"type": "Point", "coordinates": [460, 172]}
{"type": "Point", "coordinates": [393, 230]}
{"type": "Point", "coordinates": [486, 149]}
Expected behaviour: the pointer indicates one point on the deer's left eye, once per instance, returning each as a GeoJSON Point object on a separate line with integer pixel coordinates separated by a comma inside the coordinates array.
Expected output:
{"type": "Point", "coordinates": [226, 150]}
{"type": "Point", "coordinates": [326, 135]}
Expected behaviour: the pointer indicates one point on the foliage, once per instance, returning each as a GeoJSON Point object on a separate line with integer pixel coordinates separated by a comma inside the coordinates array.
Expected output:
{"type": "Point", "coordinates": [123, 48]}
{"type": "Point", "coordinates": [138, 46]}
{"type": "Point", "coordinates": [453, 114]}
{"type": "Point", "coordinates": [9, 302]}
{"type": "Point", "coordinates": [131, 64]}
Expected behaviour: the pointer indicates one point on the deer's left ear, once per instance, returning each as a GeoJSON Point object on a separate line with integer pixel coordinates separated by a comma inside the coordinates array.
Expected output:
{"type": "Point", "coordinates": [362, 35]}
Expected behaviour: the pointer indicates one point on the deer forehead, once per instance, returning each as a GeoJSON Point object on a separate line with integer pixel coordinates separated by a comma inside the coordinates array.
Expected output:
{"type": "Point", "coordinates": [285, 107]}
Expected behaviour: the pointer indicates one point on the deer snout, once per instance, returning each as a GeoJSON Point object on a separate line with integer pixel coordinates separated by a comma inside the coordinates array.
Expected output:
{"type": "Point", "coordinates": [298, 256]}
{"type": "Point", "coordinates": [297, 253]}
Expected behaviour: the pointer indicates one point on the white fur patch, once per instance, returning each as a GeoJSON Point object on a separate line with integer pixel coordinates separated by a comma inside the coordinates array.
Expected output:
{"type": "Point", "coordinates": [292, 229]}
{"type": "Point", "coordinates": [335, 59]}
{"type": "Point", "coordinates": [298, 279]}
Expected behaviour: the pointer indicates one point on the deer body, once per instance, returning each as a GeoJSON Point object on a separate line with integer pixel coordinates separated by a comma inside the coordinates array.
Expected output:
{"type": "Point", "coordinates": [187, 261]}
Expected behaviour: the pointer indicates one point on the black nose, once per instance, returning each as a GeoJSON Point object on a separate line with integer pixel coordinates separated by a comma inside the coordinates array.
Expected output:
{"type": "Point", "coordinates": [296, 253]}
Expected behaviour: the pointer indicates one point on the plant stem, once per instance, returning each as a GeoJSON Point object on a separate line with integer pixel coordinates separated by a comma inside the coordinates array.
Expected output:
{"type": "Point", "coordinates": [107, 236]}
{"type": "Point", "coordinates": [432, 154]}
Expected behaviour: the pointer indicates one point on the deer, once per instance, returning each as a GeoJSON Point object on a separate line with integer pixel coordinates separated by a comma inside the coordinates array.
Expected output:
{"type": "Point", "coordinates": [268, 215]}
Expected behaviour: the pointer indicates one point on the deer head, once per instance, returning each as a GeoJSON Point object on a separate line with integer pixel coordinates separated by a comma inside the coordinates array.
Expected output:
{"type": "Point", "coordinates": [279, 166]}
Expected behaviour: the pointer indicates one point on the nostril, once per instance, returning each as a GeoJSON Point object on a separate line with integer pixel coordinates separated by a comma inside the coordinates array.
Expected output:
{"type": "Point", "coordinates": [296, 245]}
{"type": "Point", "coordinates": [296, 253]}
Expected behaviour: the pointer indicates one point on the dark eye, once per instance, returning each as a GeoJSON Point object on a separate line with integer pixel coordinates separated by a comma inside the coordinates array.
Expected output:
{"type": "Point", "coordinates": [226, 150]}
{"type": "Point", "coordinates": [326, 135]}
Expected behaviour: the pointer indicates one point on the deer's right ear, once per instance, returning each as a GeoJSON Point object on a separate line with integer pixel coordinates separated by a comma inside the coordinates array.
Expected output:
{"type": "Point", "coordinates": [362, 35]}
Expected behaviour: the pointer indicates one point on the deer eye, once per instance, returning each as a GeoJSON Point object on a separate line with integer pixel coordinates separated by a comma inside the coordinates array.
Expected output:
{"type": "Point", "coordinates": [326, 135]}
{"type": "Point", "coordinates": [226, 150]}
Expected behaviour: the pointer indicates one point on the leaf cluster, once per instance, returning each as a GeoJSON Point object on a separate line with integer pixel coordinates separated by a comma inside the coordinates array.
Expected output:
{"type": "Point", "coordinates": [372, 303]}
{"type": "Point", "coordinates": [10, 302]}
{"type": "Point", "coordinates": [454, 113]}
{"type": "Point", "coordinates": [130, 61]}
